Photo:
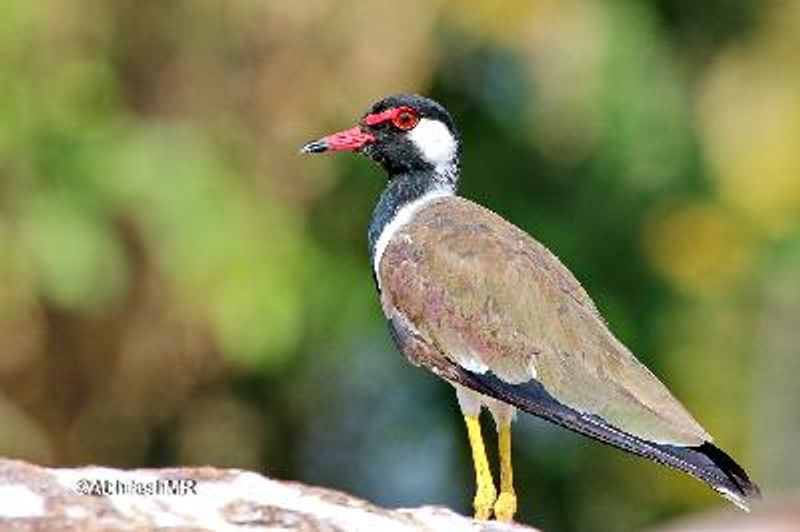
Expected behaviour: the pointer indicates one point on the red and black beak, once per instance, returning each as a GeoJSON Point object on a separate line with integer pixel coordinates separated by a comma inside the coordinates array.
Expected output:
{"type": "Point", "coordinates": [352, 139]}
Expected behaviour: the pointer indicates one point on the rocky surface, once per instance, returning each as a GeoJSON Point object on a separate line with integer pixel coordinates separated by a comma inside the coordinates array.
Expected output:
{"type": "Point", "coordinates": [781, 514]}
{"type": "Point", "coordinates": [205, 498]}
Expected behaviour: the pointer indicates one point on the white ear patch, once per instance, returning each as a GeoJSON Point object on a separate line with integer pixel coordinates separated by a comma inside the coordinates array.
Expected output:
{"type": "Point", "coordinates": [434, 141]}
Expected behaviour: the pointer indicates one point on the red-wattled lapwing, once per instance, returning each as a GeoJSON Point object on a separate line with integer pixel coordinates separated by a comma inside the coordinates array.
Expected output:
{"type": "Point", "coordinates": [480, 303]}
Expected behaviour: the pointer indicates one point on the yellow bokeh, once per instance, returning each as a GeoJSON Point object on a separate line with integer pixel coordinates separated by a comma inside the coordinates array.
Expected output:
{"type": "Point", "coordinates": [698, 246]}
{"type": "Point", "coordinates": [750, 121]}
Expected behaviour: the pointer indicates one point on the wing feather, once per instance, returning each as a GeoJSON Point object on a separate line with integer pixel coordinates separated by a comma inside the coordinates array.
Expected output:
{"type": "Point", "coordinates": [490, 297]}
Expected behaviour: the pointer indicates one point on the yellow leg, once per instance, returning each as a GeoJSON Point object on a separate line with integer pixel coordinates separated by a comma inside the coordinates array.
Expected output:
{"type": "Point", "coordinates": [506, 505]}
{"type": "Point", "coordinates": [485, 493]}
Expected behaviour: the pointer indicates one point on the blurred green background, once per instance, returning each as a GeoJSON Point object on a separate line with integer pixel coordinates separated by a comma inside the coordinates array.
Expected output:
{"type": "Point", "coordinates": [178, 286]}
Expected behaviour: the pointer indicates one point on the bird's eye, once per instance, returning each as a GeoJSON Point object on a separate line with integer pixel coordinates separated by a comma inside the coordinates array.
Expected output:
{"type": "Point", "coordinates": [405, 119]}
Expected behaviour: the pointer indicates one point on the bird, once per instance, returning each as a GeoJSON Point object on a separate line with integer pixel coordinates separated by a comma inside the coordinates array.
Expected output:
{"type": "Point", "coordinates": [479, 302]}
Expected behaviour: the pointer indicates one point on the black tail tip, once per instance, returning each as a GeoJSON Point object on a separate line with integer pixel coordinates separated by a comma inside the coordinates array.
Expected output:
{"type": "Point", "coordinates": [735, 485]}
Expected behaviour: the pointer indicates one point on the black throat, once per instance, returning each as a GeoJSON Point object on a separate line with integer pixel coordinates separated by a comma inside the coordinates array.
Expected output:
{"type": "Point", "coordinates": [405, 188]}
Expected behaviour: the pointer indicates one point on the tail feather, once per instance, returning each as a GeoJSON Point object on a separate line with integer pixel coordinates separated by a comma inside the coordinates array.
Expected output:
{"type": "Point", "coordinates": [711, 463]}
{"type": "Point", "coordinates": [705, 462]}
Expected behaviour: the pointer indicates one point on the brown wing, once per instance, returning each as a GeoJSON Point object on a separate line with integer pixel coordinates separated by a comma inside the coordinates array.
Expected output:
{"type": "Point", "coordinates": [489, 296]}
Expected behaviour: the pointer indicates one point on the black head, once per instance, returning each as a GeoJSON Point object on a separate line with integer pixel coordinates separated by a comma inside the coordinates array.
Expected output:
{"type": "Point", "coordinates": [403, 133]}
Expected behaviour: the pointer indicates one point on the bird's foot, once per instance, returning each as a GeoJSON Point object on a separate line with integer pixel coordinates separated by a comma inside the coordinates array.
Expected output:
{"type": "Point", "coordinates": [505, 506]}
{"type": "Point", "coordinates": [484, 501]}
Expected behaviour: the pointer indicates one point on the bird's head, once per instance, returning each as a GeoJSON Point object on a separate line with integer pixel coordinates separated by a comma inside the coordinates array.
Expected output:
{"type": "Point", "coordinates": [404, 133]}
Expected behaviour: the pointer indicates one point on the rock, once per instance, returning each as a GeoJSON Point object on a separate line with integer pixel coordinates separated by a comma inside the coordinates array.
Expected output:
{"type": "Point", "coordinates": [781, 514]}
{"type": "Point", "coordinates": [202, 498]}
